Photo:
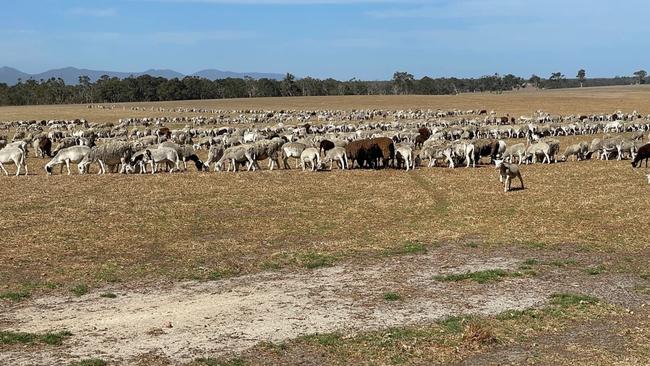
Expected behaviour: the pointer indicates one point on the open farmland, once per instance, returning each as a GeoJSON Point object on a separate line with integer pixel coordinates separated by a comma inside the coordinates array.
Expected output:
{"type": "Point", "coordinates": [435, 265]}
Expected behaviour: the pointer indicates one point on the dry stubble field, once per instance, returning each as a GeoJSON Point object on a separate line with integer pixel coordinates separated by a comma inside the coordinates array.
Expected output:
{"type": "Point", "coordinates": [578, 229]}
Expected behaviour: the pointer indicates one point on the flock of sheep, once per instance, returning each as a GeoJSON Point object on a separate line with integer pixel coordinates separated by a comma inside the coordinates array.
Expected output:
{"type": "Point", "coordinates": [322, 139]}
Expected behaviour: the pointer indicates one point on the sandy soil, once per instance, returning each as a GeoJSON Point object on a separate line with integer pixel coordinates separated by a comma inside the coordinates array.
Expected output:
{"type": "Point", "coordinates": [188, 320]}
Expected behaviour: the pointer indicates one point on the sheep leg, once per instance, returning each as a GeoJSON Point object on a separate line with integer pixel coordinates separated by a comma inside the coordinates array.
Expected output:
{"type": "Point", "coordinates": [3, 168]}
{"type": "Point", "coordinates": [506, 184]}
{"type": "Point", "coordinates": [67, 165]}
{"type": "Point", "coordinates": [521, 180]}
{"type": "Point", "coordinates": [102, 170]}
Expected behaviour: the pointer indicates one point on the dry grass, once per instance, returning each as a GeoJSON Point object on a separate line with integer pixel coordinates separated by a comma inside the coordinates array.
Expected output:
{"type": "Point", "coordinates": [524, 102]}
{"type": "Point", "coordinates": [558, 335]}
{"type": "Point", "coordinates": [100, 229]}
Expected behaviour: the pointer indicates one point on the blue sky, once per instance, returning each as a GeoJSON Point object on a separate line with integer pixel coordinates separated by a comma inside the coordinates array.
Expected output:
{"type": "Point", "coordinates": [366, 39]}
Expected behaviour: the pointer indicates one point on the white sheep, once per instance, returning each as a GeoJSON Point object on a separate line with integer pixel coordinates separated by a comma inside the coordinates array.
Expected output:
{"type": "Point", "coordinates": [15, 155]}
{"type": "Point", "coordinates": [311, 155]}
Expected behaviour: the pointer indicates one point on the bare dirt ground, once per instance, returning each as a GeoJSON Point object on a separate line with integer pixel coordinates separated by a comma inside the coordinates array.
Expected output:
{"type": "Point", "coordinates": [184, 321]}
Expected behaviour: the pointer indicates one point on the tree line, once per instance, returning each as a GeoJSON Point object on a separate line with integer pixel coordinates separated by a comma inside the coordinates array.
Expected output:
{"type": "Point", "coordinates": [146, 88]}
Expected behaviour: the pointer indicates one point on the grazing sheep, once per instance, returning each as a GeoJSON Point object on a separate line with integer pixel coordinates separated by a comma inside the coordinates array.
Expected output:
{"type": "Point", "coordinates": [214, 154]}
{"type": "Point", "coordinates": [111, 154]}
{"type": "Point", "coordinates": [405, 153]}
{"type": "Point", "coordinates": [507, 172]}
{"type": "Point", "coordinates": [642, 154]}
{"type": "Point", "coordinates": [162, 154]}
{"type": "Point", "coordinates": [577, 150]}
{"type": "Point", "coordinates": [486, 148]}
{"type": "Point", "coordinates": [336, 153]}
{"type": "Point", "coordinates": [15, 155]}
{"type": "Point", "coordinates": [518, 150]}
{"type": "Point", "coordinates": [185, 152]}
{"type": "Point", "coordinates": [237, 155]}
{"type": "Point", "coordinates": [326, 145]}
{"type": "Point", "coordinates": [74, 154]}
{"type": "Point", "coordinates": [311, 155]}
{"type": "Point", "coordinates": [42, 146]}
{"type": "Point", "coordinates": [65, 143]}
{"type": "Point", "coordinates": [292, 150]}
{"type": "Point", "coordinates": [463, 150]}
{"type": "Point", "coordinates": [536, 150]}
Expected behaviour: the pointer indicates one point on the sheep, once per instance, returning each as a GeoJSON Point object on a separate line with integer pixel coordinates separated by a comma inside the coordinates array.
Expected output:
{"type": "Point", "coordinates": [405, 153]}
{"type": "Point", "coordinates": [162, 154]}
{"type": "Point", "coordinates": [311, 155]}
{"type": "Point", "coordinates": [292, 150]}
{"type": "Point", "coordinates": [111, 154]}
{"type": "Point", "coordinates": [185, 152]}
{"type": "Point", "coordinates": [518, 150]}
{"type": "Point", "coordinates": [434, 152]}
{"type": "Point", "coordinates": [464, 150]}
{"type": "Point", "coordinates": [236, 155]}
{"type": "Point", "coordinates": [507, 172]}
{"type": "Point", "coordinates": [65, 143]}
{"type": "Point", "coordinates": [577, 150]}
{"type": "Point", "coordinates": [326, 145]}
{"type": "Point", "coordinates": [15, 155]}
{"type": "Point", "coordinates": [214, 154]}
{"type": "Point", "coordinates": [642, 154]}
{"type": "Point", "coordinates": [74, 154]}
{"type": "Point", "coordinates": [267, 149]}
{"type": "Point", "coordinates": [554, 148]}
{"type": "Point", "coordinates": [42, 146]}
{"type": "Point", "coordinates": [336, 153]}
{"type": "Point", "coordinates": [538, 149]}
{"type": "Point", "coordinates": [486, 148]}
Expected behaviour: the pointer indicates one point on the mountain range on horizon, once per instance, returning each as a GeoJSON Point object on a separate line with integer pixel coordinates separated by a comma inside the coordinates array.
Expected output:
{"type": "Point", "coordinates": [70, 75]}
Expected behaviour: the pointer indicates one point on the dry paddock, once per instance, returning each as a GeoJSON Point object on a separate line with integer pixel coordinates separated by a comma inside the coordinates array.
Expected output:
{"type": "Point", "coordinates": [349, 253]}
{"type": "Point", "coordinates": [92, 229]}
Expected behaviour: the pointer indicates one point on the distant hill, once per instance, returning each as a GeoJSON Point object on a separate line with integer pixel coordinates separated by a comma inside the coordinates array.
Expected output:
{"type": "Point", "coordinates": [70, 75]}
{"type": "Point", "coordinates": [213, 74]}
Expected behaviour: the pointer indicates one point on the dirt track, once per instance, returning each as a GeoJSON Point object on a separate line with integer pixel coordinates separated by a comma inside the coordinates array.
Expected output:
{"type": "Point", "coordinates": [231, 315]}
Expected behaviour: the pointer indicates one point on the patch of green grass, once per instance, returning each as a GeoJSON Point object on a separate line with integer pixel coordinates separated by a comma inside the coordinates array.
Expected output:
{"type": "Point", "coordinates": [472, 244]}
{"type": "Point", "coordinates": [51, 338]}
{"type": "Point", "coordinates": [80, 289]}
{"type": "Point", "coordinates": [595, 270]}
{"type": "Point", "coordinates": [570, 299]}
{"type": "Point", "coordinates": [531, 262]}
{"type": "Point", "coordinates": [325, 339]}
{"type": "Point", "coordinates": [534, 244]}
{"type": "Point", "coordinates": [518, 314]}
{"type": "Point", "coordinates": [215, 276]}
{"type": "Point", "coordinates": [90, 362]}
{"type": "Point", "coordinates": [645, 276]}
{"type": "Point", "coordinates": [316, 260]}
{"type": "Point", "coordinates": [392, 296]}
{"type": "Point", "coordinates": [409, 247]}
{"type": "Point", "coordinates": [454, 324]}
{"type": "Point", "coordinates": [209, 361]}
{"type": "Point", "coordinates": [14, 296]}
{"type": "Point", "coordinates": [108, 295]}
{"type": "Point", "coordinates": [563, 262]}
{"type": "Point", "coordinates": [481, 277]}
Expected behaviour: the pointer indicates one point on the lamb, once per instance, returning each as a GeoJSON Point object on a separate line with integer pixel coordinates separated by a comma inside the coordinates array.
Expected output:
{"type": "Point", "coordinates": [74, 154]}
{"type": "Point", "coordinates": [311, 155]}
{"type": "Point", "coordinates": [15, 155]}
{"type": "Point", "coordinates": [405, 153]}
{"type": "Point", "coordinates": [507, 172]}
{"type": "Point", "coordinates": [337, 153]}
